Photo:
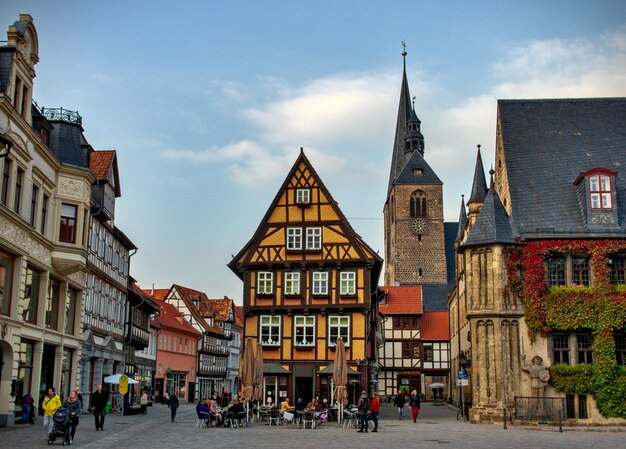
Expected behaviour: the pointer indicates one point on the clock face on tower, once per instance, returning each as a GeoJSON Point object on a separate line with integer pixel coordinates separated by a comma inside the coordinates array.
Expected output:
{"type": "Point", "coordinates": [418, 225]}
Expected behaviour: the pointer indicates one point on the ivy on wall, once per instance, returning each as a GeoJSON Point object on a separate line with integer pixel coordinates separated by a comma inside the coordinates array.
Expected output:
{"type": "Point", "coordinates": [600, 309]}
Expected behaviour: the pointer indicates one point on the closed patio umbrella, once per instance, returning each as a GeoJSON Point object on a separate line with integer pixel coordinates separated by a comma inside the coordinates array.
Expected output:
{"type": "Point", "coordinates": [340, 375]}
{"type": "Point", "coordinates": [247, 371]}
{"type": "Point", "coordinates": [258, 373]}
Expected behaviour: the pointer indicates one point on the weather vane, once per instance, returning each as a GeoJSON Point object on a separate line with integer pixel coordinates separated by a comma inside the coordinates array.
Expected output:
{"type": "Point", "coordinates": [403, 48]}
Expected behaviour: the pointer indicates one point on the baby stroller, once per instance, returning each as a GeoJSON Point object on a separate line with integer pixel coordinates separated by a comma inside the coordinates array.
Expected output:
{"type": "Point", "coordinates": [61, 426]}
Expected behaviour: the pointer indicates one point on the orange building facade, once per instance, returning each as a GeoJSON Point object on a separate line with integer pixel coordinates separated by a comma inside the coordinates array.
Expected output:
{"type": "Point", "coordinates": [176, 354]}
{"type": "Point", "coordinates": [308, 279]}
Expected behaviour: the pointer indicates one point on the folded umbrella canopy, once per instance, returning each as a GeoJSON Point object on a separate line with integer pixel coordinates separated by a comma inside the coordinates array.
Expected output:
{"type": "Point", "coordinates": [247, 371]}
{"type": "Point", "coordinates": [258, 373]}
{"type": "Point", "coordinates": [340, 373]}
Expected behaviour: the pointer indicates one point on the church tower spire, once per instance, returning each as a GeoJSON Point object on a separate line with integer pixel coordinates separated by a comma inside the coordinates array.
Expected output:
{"type": "Point", "coordinates": [414, 228]}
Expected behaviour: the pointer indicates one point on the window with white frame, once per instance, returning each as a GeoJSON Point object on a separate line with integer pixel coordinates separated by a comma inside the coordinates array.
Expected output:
{"type": "Point", "coordinates": [265, 283]}
{"type": "Point", "coordinates": [303, 196]}
{"type": "Point", "coordinates": [338, 326]}
{"type": "Point", "coordinates": [320, 283]}
{"type": "Point", "coordinates": [600, 189]}
{"type": "Point", "coordinates": [292, 283]}
{"type": "Point", "coordinates": [304, 330]}
{"type": "Point", "coordinates": [347, 283]}
{"type": "Point", "coordinates": [270, 330]}
{"type": "Point", "coordinates": [313, 238]}
{"type": "Point", "coordinates": [294, 238]}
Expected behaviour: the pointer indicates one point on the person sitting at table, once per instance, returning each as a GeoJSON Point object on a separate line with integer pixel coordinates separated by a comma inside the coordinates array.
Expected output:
{"type": "Point", "coordinates": [324, 405]}
{"type": "Point", "coordinates": [216, 412]}
{"type": "Point", "coordinates": [285, 405]}
{"type": "Point", "coordinates": [236, 410]}
{"type": "Point", "coordinates": [299, 405]}
{"type": "Point", "coordinates": [315, 406]}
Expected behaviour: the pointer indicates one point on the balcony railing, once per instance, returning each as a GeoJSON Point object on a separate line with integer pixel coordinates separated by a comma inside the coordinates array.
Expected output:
{"type": "Point", "coordinates": [215, 350]}
{"type": "Point", "coordinates": [62, 115]}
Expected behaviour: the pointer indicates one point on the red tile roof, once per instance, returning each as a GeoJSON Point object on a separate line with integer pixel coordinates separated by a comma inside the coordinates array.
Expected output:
{"type": "Point", "coordinates": [198, 310]}
{"type": "Point", "coordinates": [436, 325]}
{"type": "Point", "coordinates": [100, 163]}
{"type": "Point", "coordinates": [157, 293]}
{"type": "Point", "coordinates": [239, 315]}
{"type": "Point", "coordinates": [222, 308]}
{"type": "Point", "coordinates": [402, 300]}
{"type": "Point", "coordinates": [171, 318]}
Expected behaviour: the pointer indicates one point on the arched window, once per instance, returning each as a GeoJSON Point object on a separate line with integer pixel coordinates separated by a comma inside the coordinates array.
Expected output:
{"type": "Point", "coordinates": [418, 205]}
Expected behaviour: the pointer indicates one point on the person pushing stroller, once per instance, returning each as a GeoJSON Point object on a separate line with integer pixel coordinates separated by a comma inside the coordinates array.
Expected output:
{"type": "Point", "coordinates": [73, 405]}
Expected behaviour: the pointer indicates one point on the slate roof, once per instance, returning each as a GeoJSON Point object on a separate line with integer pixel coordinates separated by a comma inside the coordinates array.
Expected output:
{"type": "Point", "coordinates": [408, 173]}
{"type": "Point", "coordinates": [492, 224]}
{"type": "Point", "coordinates": [479, 184]}
{"type": "Point", "coordinates": [450, 229]}
{"type": "Point", "coordinates": [436, 326]}
{"type": "Point", "coordinates": [402, 300]}
{"type": "Point", "coordinates": [171, 318]}
{"type": "Point", "coordinates": [69, 145]}
{"type": "Point", "coordinates": [462, 220]}
{"type": "Point", "coordinates": [547, 144]}
{"type": "Point", "coordinates": [6, 60]}
{"type": "Point", "coordinates": [435, 296]}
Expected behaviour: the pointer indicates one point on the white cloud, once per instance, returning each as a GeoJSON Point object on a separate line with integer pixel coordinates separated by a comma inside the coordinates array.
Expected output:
{"type": "Point", "coordinates": [346, 121]}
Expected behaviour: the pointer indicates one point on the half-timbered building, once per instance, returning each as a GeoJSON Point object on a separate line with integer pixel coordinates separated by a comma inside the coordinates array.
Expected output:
{"type": "Point", "coordinates": [400, 358]}
{"type": "Point", "coordinates": [309, 278]}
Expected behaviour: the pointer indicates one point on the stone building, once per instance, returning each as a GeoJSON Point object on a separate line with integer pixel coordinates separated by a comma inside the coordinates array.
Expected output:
{"type": "Point", "coordinates": [419, 251]}
{"type": "Point", "coordinates": [541, 266]}
{"type": "Point", "coordinates": [44, 209]}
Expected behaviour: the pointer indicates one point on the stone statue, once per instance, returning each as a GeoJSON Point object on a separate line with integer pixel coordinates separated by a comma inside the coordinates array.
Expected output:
{"type": "Point", "coordinates": [539, 375]}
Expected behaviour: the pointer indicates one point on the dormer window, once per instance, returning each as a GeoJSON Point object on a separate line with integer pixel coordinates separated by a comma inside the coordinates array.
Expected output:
{"type": "Point", "coordinates": [600, 192]}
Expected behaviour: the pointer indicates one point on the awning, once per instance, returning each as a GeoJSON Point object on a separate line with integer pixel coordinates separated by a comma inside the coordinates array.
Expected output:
{"type": "Point", "coordinates": [274, 368]}
{"type": "Point", "coordinates": [329, 370]}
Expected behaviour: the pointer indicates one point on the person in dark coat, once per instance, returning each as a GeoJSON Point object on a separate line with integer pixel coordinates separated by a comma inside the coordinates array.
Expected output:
{"type": "Point", "coordinates": [98, 403]}
{"type": "Point", "coordinates": [27, 408]}
{"type": "Point", "coordinates": [72, 404]}
{"type": "Point", "coordinates": [414, 403]}
{"type": "Point", "coordinates": [173, 405]}
{"type": "Point", "coordinates": [363, 407]}
{"type": "Point", "coordinates": [399, 402]}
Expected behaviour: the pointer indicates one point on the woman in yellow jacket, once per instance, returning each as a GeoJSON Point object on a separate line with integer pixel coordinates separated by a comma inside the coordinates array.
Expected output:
{"type": "Point", "coordinates": [51, 404]}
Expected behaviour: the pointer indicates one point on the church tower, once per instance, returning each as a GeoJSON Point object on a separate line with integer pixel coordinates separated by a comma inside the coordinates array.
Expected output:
{"type": "Point", "coordinates": [413, 212]}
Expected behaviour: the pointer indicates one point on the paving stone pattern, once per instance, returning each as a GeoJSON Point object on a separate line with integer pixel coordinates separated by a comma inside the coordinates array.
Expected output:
{"type": "Point", "coordinates": [437, 427]}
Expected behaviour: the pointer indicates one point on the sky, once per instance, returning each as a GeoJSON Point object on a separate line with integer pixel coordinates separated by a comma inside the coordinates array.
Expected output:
{"type": "Point", "coordinates": [207, 103]}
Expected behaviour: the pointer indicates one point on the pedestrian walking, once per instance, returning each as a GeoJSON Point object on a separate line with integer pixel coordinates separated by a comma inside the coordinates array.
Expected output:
{"type": "Point", "coordinates": [363, 407]}
{"type": "Point", "coordinates": [72, 404]}
{"type": "Point", "coordinates": [399, 402]}
{"type": "Point", "coordinates": [375, 410]}
{"type": "Point", "coordinates": [51, 403]}
{"type": "Point", "coordinates": [99, 400]}
{"type": "Point", "coordinates": [414, 403]}
{"type": "Point", "coordinates": [173, 405]}
{"type": "Point", "coordinates": [28, 403]}
{"type": "Point", "coordinates": [143, 402]}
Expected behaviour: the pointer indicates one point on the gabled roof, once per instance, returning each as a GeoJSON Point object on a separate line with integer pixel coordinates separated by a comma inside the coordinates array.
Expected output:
{"type": "Point", "coordinates": [364, 252]}
{"type": "Point", "coordinates": [158, 294]}
{"type": "Point", "coordinates": [196, 302]}
{"type": "Point", "coordinates": [222, 308]}
{"type": "Point", "coordinates": [145, 299]}
{"type": "Point", "coordinates": [436, 326]}
{"type": "Point", "coordinates": [402, 300]}
{"type": "Point", "coordinates": [479, 184]}
{"type": "Point", "coordinates": [546, 145]}
{"type": "Point", "coordinates": [101, 162]}
{"type": "Point", "coordinates": [492, 224]}
{"type": "Point", "coordinates": [417, 171]}
{"type": "Point", "coordinates": [238, 315]}
{"type": "Point", "coordinates": [171, 318]}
